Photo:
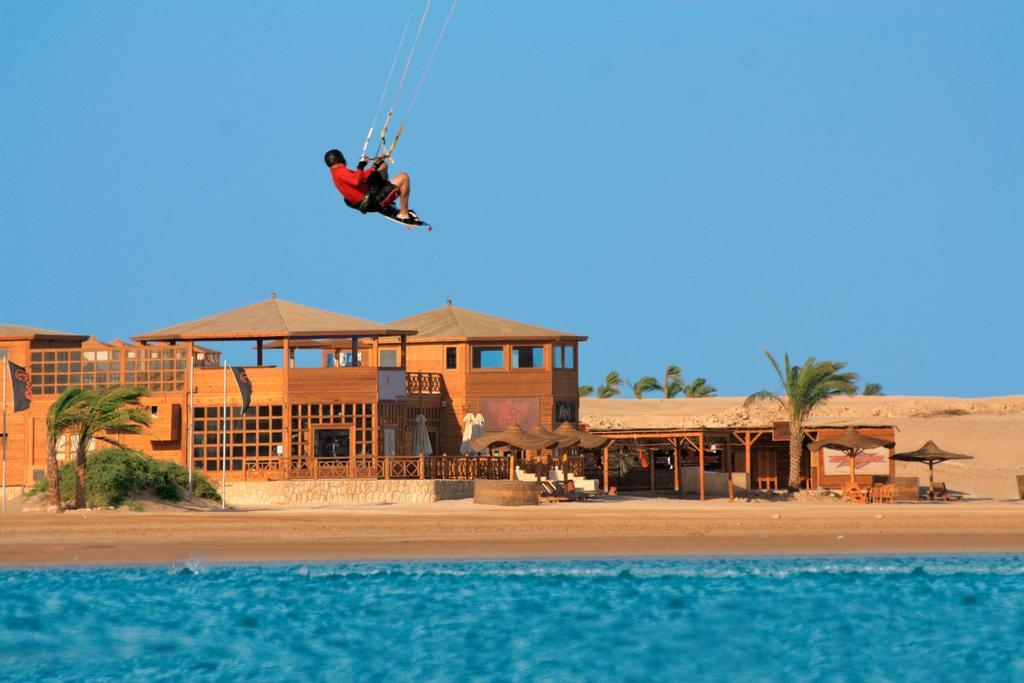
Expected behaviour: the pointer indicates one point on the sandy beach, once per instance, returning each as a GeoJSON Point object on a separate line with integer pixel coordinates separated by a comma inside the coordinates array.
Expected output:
{"type": "Point", "coordinates": [460, 529]}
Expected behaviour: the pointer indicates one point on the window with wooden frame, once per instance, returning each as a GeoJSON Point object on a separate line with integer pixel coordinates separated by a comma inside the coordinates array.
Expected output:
{"type": "Point", "coordinates": [451, 358]}
{"type": "Point", "coordinates": [388, 358]}
{"type": "Point", "coordinates": [527, 357]}
{"type": "Point", "coordinates": [488, 358]}
{"type": "Point", "coordinates": [564, 356]}
{"type": "Point", "coordinates": [308, 415]}
{"type": "Point", "coordinates": [255, 439]}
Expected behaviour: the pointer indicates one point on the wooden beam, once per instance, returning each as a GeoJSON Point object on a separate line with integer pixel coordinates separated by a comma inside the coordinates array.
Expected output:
{"type": "Point", "coordinates": [650, 465]}
{"type": "Point", "coordinates": [728, 458]}
{"type": "Point", "coordinates": [701, 458]}
{"type": "Point", "coordinates": [605, 468]}
{"type": "Point", "coordinates": [259, 352]}
{"type": "Point", "coordinates": [675, 469]}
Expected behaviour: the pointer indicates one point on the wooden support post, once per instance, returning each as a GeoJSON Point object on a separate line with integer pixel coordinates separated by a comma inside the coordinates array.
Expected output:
{"type": "Point", "coordinates": [259, 352]}
{"type": "Point", "coordinates": [675, 467]}
{"type": "Point", "coordinates": [700, 446]}
{"type": "Point", "coordinates": [355, 352]}
{"type": "Point", "coordinates": [511, 465]}
{"type": "Point", "coordinates": [728, 458]}
{"type": "Point", "coordinates": [423, 466]}
{"type": "Point", "coordinates": [604, 465]}
{"type": "Point", "coordinates": [650, 465]}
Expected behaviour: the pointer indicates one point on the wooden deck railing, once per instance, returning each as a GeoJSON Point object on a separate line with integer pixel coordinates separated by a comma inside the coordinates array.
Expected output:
{"type": "Point", "coordinates": [422, 383]}
{"type": "Point", "coordinates": [385, 467]}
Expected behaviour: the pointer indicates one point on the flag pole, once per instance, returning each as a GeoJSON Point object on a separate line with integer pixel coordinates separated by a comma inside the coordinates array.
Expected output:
{"type": "Point", "coordinates": [3, 485]}
{"type": "Point", "coordinates": [224, 444]}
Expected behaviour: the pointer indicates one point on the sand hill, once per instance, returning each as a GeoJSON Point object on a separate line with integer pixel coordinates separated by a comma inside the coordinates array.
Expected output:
{"type": "Point", "coordinates": [990, 429]}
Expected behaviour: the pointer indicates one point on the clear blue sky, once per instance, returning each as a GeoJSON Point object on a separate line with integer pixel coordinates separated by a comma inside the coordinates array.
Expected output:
{"type": "Point", "coordinates": [684, 182]}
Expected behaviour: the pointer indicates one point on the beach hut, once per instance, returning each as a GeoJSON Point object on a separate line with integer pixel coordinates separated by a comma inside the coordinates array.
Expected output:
{"type": "Point", "coordinates": [930, 454]}
{"type": "Point", "coordinates": [853, 444]}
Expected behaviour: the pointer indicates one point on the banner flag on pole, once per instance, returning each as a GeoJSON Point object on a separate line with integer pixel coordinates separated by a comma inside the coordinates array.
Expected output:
{"type": "Point", "coordinates": [21, 387]}
{"type": "Point", "coordinates": [244, 386]}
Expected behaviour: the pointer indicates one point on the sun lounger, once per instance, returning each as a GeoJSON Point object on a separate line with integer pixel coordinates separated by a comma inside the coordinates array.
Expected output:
{"type": "Point", "coordinates": [942, 492]}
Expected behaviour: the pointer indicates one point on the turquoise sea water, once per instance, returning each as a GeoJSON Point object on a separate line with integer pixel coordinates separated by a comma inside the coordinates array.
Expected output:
{"type": "Point", "coordinates": [871, 619]}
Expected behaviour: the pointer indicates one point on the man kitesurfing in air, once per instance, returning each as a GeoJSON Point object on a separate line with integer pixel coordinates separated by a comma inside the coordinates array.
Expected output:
{"type": "Point", "coordinates": [371, 190]}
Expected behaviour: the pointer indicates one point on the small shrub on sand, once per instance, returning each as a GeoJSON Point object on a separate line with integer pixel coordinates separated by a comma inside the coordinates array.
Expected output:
{"type": "Point", "coordinates": [113, 474]}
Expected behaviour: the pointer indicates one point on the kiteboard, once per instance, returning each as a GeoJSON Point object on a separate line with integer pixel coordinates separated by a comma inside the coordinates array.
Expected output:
{"type": "Point", "coordinates": [414, 221]}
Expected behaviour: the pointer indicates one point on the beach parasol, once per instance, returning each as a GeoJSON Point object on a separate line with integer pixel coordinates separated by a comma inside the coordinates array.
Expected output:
{"type": "Point", "coordinates": [478, 426]}
{"type": "Point", "coordinates": [852, 443]}
{"type": "Point", "coordinates": [562, 440]}
{"type": "Point", "coordinates": [588, 441]}
{"type": "Point", "coordinates": [931, 455]}
{"type": "Point", "coordinates": [513, 437]}
{"type": "Point", "coordinates": [469, 426]}
{"type": "Point", "coordinates": [421, 438]}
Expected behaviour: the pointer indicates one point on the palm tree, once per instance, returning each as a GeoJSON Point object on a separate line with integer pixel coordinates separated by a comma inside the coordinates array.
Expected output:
{"type": "Point", "coordinates": [805, 387]}
{"type": "Point", "coordinates": [673, 381]}
{"type": "Point", "coordinates": [699, 388]}
{"type": "Point", "coordinates": [872, 389]}
{"type": "Point", "coordinates": [116, 410]}
{"type": "Point", "coordinates": [586, 390]}
{"type": "Point", "coordinates": [644, 385]}
{"type": "Point", "coordinates": [612, 382]}
{"type": "Point", "coordinates": [59, 419]}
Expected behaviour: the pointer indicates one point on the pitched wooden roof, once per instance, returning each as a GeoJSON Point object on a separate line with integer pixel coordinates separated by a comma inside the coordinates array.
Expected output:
{"type": "Point", "coordinates": [26, 332]}
{"type": "Point", "coordinates": [272, 319]}
{"type": "Point", "coordinates": [454, 323]}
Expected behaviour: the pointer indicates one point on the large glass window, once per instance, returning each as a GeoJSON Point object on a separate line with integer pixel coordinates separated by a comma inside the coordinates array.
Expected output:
{"type": "Point", "coordinates": [528, 356]}
{"type": "Point", "coordinates": [388, 358]}
{"type": "Point", "coordinates": [488, 357]}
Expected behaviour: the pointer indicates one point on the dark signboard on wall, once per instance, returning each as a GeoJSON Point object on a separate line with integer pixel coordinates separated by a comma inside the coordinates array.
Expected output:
{"type": "Point", "coordinates": [567, 411]}
{"type": "Point", "coordinates": [502, 413]}
{"type": "Point", "coordinates": [780, 431]}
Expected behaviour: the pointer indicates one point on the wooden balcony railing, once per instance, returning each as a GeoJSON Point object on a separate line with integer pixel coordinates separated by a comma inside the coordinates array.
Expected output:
{"type": "Point", "coordinates": [385, 467]}
{"type": "Point", "coordinates": [417, 383]}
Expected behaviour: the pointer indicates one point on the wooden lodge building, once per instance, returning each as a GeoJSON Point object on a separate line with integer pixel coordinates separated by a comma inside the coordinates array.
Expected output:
{"type": "Point", "coordinates": [355, 413]}
{"type": "Point", "coordinates": [339, 418]}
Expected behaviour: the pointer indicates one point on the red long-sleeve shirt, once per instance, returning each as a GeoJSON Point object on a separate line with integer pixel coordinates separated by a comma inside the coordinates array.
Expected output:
{"type": "Point", "coordinates": [352, 184]}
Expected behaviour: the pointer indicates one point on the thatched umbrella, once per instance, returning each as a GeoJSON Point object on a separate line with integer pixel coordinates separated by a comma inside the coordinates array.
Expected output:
{"type": "Point", "coordinates": [588, 441]}
{"type": "Point", "coordinates": [852, 443]}
{"type": "Point", "coordinates": [562, 440]}
{"type": "Point", "coordinates": [513, 437]}
{"type": "Point", "coordinates": [930, 454]}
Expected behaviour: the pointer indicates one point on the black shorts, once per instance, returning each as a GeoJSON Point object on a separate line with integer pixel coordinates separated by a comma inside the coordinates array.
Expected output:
{"type": "Point", "coordinates": [381, 193]}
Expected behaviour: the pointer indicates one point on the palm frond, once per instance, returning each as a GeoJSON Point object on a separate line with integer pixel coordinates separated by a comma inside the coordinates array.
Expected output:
{"type": "Point", "coordinates": [586, 390]}
{"type": "Point", "coordinates": [699, 388]}
{"type": "Point", "coordinates": [872, 389]}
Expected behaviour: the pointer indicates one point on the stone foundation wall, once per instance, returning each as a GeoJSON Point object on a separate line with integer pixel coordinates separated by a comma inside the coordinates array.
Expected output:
{"type": "Point", "coordinates": [304, 492]}
{"type": "Point", "coordinates": [14, 491]}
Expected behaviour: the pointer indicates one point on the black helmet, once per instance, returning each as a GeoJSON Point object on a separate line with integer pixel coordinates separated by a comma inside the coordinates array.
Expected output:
{"type": "Point", "coordinates": [334, 157]}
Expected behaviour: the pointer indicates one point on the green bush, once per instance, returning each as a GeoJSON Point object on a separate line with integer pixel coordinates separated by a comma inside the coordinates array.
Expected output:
{"type": "Point", "coordinates": [112, 474]}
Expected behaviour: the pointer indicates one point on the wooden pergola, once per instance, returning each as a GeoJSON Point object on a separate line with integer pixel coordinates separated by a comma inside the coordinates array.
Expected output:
{"type": "Point", "coordinates": [732, 440]}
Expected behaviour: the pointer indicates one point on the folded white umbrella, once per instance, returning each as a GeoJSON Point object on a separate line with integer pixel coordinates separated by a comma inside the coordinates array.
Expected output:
{"type": "Point", "coordinates": [468, 433]}
{"type": "Point", "coordinates": [421, 438]}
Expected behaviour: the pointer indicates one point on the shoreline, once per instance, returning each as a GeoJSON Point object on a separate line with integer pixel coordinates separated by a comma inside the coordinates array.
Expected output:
{"type": "Point", "coordinates": [460, 530]}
